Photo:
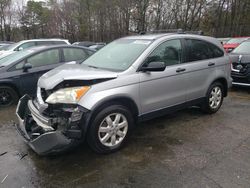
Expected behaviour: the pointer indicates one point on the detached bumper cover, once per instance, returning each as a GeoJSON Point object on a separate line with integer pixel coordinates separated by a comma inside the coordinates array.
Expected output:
{"type": "Point", "coordinates": [50, 140]}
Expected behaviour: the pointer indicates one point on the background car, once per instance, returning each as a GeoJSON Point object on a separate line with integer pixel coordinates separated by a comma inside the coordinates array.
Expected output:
{"type": "Point", "coordinates": [19, 72]}
{"type": "Point", "coordinates": [84, 43]}
{"type": "Point", "coordinates": [241, 64]}
{"type": "Point", "coordinates": [223, 40]}
{"type": "Point", "coordinates": [4, 43]}
{"type": "Point", "coordinates": [97, 46]}
{"type": "Point", "coordinates": [28, 44]}
{"type": "Point", "coordinates": [233, 43]}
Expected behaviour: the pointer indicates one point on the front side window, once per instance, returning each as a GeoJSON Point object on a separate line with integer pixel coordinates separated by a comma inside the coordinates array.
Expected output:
{"type": "Point", "coordinates": [118, 55]}
{"type": "Point", "coordinates": [44, 58]}
{"type": "Point", "coordinates": [198, 50]}
{"type": "Point", "coordinates": [74, 54]}
{"type": "Point", "coordinates": [169, 52]}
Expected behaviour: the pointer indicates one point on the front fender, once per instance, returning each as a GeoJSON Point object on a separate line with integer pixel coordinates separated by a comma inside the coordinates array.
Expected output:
{"type": "Point", "coordinates": [94, 99]}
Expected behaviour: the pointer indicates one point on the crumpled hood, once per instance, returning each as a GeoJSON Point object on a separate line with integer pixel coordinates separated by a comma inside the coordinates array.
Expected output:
{"type": "Point", "coordinates": [72, 72]}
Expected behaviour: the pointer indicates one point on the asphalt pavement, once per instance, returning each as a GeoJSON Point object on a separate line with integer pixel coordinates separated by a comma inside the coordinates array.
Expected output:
{"type": "Point", "coordinates": [184, 149]}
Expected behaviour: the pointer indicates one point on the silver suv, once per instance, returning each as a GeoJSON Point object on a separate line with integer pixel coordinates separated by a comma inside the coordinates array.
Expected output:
{"type": "Point", "coordinates": [132, 79]}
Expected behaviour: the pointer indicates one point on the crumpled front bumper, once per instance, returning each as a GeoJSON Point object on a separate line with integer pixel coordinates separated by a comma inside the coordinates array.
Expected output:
{"type": "Point", "coordinates": [51, 140]}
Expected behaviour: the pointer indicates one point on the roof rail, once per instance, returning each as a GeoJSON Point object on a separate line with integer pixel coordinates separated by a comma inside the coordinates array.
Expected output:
{"type": "Point", "coordinates": [178, 31]}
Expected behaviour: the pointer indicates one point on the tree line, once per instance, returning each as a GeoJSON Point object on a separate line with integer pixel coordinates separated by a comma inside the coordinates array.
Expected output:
{"type": "Point", "coordinates": [106, 20]}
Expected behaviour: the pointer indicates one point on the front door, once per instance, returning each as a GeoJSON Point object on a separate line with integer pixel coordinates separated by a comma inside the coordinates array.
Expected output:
{"type": "Point", "coordinates": [159, 90]}
{"type": "Point", "coordinates": [41, 63]}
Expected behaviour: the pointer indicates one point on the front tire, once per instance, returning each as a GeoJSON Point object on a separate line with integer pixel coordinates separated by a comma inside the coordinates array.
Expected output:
{"type": "Point", "coordinates": [8, 96]}
{"type": "Point", "coordinates": [110, 129]}
{"type": "Point", "coordinates": [214, 98]}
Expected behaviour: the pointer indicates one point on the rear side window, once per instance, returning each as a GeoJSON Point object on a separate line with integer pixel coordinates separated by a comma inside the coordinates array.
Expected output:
{"type": "Point", "coordinates": [200, 50]}
{"type": "Point", "coordinates": [74, 54]}
{"type": "Point", "coordinates": [45, 58]}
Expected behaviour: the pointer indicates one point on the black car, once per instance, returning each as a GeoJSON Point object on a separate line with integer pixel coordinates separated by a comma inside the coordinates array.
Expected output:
{"type": "Point", "coordinates": [240, 57]}
{"type": "Point", "coordinates": [19, 72]}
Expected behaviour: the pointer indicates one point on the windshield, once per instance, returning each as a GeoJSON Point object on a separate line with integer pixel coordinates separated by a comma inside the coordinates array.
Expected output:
{"type": "Point", "coordinates": [243, 48]}
{"type": "Point", "coordinates": [118, 55]}
{"type": "Point", "coordinates": [7, 60]}
{"type": "Point", "coordinates": [236, 40]}
{"type": "Point", "coordinates": [9, 47]}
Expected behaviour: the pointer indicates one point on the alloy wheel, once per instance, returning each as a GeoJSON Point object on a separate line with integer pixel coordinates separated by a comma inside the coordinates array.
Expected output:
{"type": "Point", "coordinates": [215, 97]}
{"type": "Point", "coordinates": [113, 129]}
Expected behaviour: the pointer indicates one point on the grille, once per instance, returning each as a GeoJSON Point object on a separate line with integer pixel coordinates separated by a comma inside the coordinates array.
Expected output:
{"type": "Point", "coordinates": [44, 94]}
{"type": "Point", "coordinates": [242, 68]}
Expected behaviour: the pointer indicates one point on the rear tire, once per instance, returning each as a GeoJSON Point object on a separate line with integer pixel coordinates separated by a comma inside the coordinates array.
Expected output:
{"type": "Point", "coordinates": [214, 98]}
{"type": "Point", "coordinates": [110, 129]}
{"type": "Point", "coordinates": [8, 96]}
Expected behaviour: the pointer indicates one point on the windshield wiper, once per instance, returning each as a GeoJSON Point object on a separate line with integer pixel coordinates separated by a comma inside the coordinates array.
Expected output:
{"type": "Point", "coordinates": [93, 66]}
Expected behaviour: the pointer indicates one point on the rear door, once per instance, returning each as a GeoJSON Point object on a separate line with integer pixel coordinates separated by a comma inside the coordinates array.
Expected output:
{"type": "Point", "coordinates": [201, 61]}
{"type": "Point", "coordinates": [159, 90]}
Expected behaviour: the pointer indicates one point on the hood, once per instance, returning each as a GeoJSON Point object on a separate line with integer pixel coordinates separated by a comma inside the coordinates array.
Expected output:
{"type": "Point", "coordinates": [73, 72]}
{"type": "Point", "coordinates": [232, 45]}
{"type": "Point", "coordinates": [5, 53]}
{"type": "Point", "coordinates": [240, 58]}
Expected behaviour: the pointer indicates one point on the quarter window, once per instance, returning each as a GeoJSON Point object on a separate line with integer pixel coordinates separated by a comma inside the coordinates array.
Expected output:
{"type": "Point", "coordinates": [169, 52]}
{"type": "Point", "coordinates": [217, 52]}
{"type": "Point", "coordinates": [44, 58]}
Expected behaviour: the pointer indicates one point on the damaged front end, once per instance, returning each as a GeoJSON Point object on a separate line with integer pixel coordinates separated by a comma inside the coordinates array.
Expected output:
{"type": "Point", "coordinates": [50, 128]}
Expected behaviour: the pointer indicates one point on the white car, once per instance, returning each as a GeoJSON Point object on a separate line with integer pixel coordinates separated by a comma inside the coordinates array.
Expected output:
{"type": "Point", "coordinates": [6, 50]}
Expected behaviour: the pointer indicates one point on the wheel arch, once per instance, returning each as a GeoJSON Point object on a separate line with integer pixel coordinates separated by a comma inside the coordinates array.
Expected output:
{"type": "Point", "coordinates": [224, 83]}
{"type": "Point", "coordinates": [122, 100]}
{"type": "Point", "coordinates": [119, 100]}
{"type": "Point", "coordinates": [12, 85]}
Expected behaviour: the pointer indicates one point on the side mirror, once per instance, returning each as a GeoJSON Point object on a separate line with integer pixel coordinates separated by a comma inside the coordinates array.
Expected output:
{"type": "Point", "coordinates": [155, 66]}
{"type": "Point", "coordinates": [20, 48]}
{"type": "Point", "coordinates": [26, 67]}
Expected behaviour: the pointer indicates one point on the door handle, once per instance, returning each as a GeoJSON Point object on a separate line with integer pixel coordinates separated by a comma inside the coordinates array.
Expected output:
{"type": "Point", "coordinates": [180, 70]}
{"type": "Point", "coordinates": [211, 64]}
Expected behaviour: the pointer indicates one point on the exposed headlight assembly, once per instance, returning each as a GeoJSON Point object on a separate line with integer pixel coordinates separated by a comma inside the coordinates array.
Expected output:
{"type": "Point", "coordinates": [67, 95]}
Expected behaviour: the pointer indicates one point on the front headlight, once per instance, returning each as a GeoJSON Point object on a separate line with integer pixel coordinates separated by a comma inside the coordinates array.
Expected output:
{"type": "Point", "coordinates": [67, 95]}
